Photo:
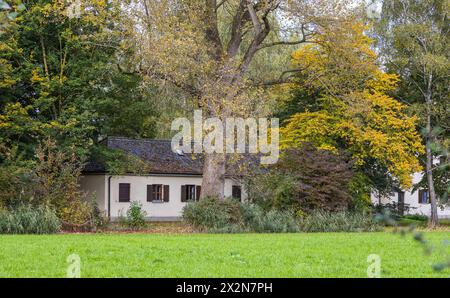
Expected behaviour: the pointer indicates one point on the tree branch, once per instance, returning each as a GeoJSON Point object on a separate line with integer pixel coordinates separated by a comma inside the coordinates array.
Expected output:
{"type": "Point", "coordinates": [220, 4]}
{"type": "Point", "coordinates": [282, 79]}
{"type": "Point", "coordinates": [260, 31]}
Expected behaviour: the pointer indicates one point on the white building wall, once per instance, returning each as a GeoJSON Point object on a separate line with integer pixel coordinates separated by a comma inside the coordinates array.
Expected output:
{"type": "Point", "coordinates": [138, 192]}
{"type": "Point", "coordinates": [412, 201]}
{"type": "Point", "coordinates": [95, 185]}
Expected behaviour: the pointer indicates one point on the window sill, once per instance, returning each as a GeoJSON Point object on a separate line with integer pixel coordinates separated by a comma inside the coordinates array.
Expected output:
{"type": "Point", "coordinates": [157, 202]}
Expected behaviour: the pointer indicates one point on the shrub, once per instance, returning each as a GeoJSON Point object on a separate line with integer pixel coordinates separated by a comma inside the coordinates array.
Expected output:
{"type": "Point", "coordinates": [29, 220]}
{"type": "Point", "coordinates": [304, 179]}
{"type": "Point", "coordinates": [75, 212]}
{"type": "Point", "coordinates": [320, 221]}
{"type": "Point", "coordinates": [99, 219]}
{"type": "Point", "coordinates": [231, 216]}
{"type": "Point", "coordinates": [273, 221]}
{"type": "Point", "coordinates": [274, 190]}
{"type": "Point", "coordinates": [135, 216]}
{"type": "Point", "coordinates": [213, 214]}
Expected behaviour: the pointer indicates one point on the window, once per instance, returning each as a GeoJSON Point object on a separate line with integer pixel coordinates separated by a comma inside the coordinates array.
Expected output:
{"type": "Point", "coordinates": [157, 193]}
{"type": "Point", "coordinates": [124, 192]}
{"type": "Point", "coordinates": [236, 192]}
{"type": "Point", "coordinates": [190, 192]}
{"type": "Point", "coordinates": [423, 196]}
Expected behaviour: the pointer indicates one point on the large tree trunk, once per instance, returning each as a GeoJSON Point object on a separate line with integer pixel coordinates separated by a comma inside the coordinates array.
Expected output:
{"type": "Point", "coordinates": [213, 182]}
{"type": "Point", "coordinates": [429, 170]}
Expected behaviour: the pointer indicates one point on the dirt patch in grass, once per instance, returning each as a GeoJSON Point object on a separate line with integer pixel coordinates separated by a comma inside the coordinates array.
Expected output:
{"type": "Point", "coordinates": [177, 227]}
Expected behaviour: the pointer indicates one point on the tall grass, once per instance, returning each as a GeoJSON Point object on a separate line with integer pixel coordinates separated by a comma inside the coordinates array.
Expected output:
{"type": "Point", "coordinates": [231, 216]}
{"type": "Point", "coordinates": [29, 220]}
{"type": "Point", "coordinates": [320, 221]}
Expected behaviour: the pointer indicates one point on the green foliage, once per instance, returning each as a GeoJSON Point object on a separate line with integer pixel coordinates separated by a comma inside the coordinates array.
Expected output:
{"type": "Point", "coordinates": [231, 216]}
{"type": "Point", "coordinates": [413, 38]}
{"type": "Point", "coordinates": [320, 221]}
{"type": "Point", "coordinates": [273, 190]}
{"type": "Point", "coordinates": [17, 181]}
{"type": "Point", "coordinates": [59, 78]}
{"type": "Point", "coordinates": [211, 213]}
{"type": "Point", "coordinates": [135, 218]}
{"type": "Point", "coordinates": [273, 221]}
{"type": "Point", "coordinates": [9, 11]}
{"type": "Point", "coordinates": [99, 220]}
{"type": "Point", "coordinates": [29, 219]}
{"type": "Point", "coordinates": [359, 188]}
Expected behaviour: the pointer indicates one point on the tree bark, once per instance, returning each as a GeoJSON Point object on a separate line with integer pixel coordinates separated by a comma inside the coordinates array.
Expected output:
{"type": "Point", "coordinates": [434, 220]}
{"type": "Point", "coordinates": [213, 181]}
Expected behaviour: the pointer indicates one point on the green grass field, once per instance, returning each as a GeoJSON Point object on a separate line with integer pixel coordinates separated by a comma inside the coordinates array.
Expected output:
{"type": "Point", "coordinates": [214, 255]}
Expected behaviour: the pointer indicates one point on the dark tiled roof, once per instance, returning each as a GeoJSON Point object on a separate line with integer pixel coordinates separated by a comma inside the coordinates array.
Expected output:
{"type": "Point", "coordinates": [161, 158]}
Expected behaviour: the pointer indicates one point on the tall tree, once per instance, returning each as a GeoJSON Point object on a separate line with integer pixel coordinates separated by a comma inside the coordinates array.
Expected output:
{"type": "Point", "coordinates": [414, 39]}
{"type": "Point", "coordinates": [353, 110]}
{"type": "Point", "coordinates": [207, 49]}
{"type": "Point", "coordinates": [59, 77]}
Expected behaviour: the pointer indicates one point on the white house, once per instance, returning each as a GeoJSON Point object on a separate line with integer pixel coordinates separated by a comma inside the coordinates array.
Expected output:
{"type": "Point", "coordinates": [174, 179]}
{"type": "Point", "coordinates": [410, 202]}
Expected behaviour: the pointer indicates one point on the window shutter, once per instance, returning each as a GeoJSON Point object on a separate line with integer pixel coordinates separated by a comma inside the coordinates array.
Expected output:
{"type": "Point", "coordinates": [420, 195]}
{"type": "Point", "coordinates": [124, 192]}
{"type": "Point", "coordinates": [198, 191]}
{"type": "Point", "coordinates": [150, 193]}
{"type": "Point", "coordinates": [166, 193]}
{"type": "Point", "coordinates": [183, 193]}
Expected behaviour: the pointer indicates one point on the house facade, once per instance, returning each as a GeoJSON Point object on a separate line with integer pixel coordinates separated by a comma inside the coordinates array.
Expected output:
{"type": "Point", "coordinates": [412, 202]}
{"type": "Point", "coordinates": [174, 179]}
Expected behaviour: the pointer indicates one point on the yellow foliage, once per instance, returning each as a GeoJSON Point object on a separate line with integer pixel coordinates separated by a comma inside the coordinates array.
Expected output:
{"type": "Point", "coordinates": [355, 109]}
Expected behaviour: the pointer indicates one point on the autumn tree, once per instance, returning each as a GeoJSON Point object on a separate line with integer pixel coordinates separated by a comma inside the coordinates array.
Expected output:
{"type": "Point", "coordinates": [414, 39]}
{"type": "Point", "coordinates": [207, 49]}
{"type": "Point", "coordinates": [352, 109]}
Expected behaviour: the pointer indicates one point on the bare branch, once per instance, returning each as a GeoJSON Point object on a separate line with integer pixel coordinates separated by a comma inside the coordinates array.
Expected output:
{"type": "Point", "coordinates": [263, 46]}
{"type": "Point", "coordinates": [283, 78]}
{"type": "Point", "coordinates": [260, 31]}
{"type": "Point", "coordinates": [220, 4]}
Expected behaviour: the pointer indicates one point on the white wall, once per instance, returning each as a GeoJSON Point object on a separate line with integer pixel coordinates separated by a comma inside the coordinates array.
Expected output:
{"type": "Point", "coordinates": [95, 185]}
{"type": "Point", "coordinates": [412, 199]}
{"type": "Point", "coordinates": [138, 192]}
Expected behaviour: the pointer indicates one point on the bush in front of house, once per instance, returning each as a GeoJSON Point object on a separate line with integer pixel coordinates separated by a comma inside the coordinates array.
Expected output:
{"type": "Point", "coordinates": [212, 214]}
{"type": "Point", "coordinates": [29, 220]}
{"type": "Point", "coordinates": [272, 221]}
{"type": "Point", "coordinates": [230, 216]}
{"type": "Point", "coordinates": [305, 179]}
{"type": "Point", "coordinates": [321, 221]}
{"type": "Point", "coordinates": [135, 218]}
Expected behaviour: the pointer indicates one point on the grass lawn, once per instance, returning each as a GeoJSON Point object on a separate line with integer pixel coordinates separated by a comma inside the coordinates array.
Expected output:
{"type": "Point", "coordinates": [216, 255]}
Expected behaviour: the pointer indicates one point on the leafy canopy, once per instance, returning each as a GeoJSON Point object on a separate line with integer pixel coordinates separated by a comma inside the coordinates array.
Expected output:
{"type": "Point", "coordinates": [354, 111]}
